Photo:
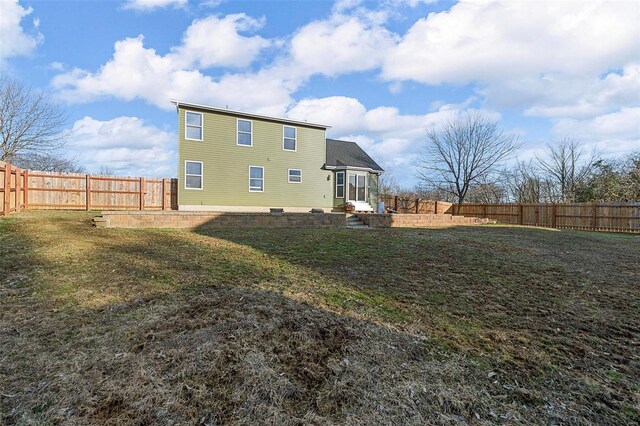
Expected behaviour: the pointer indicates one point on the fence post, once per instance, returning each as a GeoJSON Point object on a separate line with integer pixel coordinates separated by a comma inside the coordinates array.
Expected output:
{"type": "Point", "coordinates": [595, 216]}
{"type": "Point", "coordinates": [520, 218]}
{"type": "Point", "coordinates": [7, 188]}
{"type": "Point", "coordinates": [395, 203]}
{"type": "Point", "coordinates": [417, 205]}
{"type": "Point", "coordinates": [164, 194]}
{"type": "Point", "coordinates": [18, 188]}
{"type": "Point", "coordinates": [436, 207]}
{"type": "Point", "coordinates": [26, 189]}
{"type": "Point", "coordinates": [554, 215]}
{"type": "Point", "coordinates": [142, 191]}
{"type": "Point", "coordinates": [88, 191]}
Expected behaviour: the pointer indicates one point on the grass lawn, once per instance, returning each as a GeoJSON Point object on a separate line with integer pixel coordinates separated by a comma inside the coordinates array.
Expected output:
{"type": "Point", "coordinates": [482, 325]}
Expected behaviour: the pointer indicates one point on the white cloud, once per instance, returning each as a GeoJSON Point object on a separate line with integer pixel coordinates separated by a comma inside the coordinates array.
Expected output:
{"type": "Point", "coordinates": [614, 133]}
{"type": "Point", "coordinates": [139, 72]}
{"type": "Point", "coordinates": [564, 96]}
{"type": "Point", "coordinates": [150, 5]}
{"type": "Point", "coordinates": [126, 145]}
{"type": "Point", "coordinates": [339, 45]}
{"type": "Point", "coordinates": [387, 135]}
{"type": "Point", "coordinates": [14, 41]}
{"type": "Point", "coordinates": [494, 40]}
{"type": "Point", "coordinates": [215, 41]}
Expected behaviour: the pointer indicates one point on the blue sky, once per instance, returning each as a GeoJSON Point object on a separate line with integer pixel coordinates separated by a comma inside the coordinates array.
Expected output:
{"type": "Point", "coordinates": [381, 73]}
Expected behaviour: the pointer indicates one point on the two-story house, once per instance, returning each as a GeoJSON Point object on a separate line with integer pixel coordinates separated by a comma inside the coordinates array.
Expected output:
{"type": "Point", "coordinates": [236, 161]}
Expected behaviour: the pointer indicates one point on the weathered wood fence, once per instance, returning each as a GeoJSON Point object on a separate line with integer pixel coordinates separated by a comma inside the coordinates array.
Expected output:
{"type": "Point", "coordinates": [610, 217]}
{"type": "Point", "coordinates": [27, 189]}
{"type": "Point", "coordinates": [415, 205]}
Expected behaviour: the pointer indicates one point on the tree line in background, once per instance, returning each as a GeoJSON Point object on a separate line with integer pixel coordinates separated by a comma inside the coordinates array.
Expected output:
{"type": "Point", "coordinates": [465, 159]}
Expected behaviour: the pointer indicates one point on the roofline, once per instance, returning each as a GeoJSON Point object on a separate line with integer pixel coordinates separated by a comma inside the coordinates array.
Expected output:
{"type": "Point", "coordinates": [249, 115]}
{"type": "Point", "coordinates": [364, 169]}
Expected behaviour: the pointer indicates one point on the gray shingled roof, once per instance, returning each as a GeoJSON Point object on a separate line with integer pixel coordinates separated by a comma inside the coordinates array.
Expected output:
{"type": "Point", "coordinates": [348, 154]}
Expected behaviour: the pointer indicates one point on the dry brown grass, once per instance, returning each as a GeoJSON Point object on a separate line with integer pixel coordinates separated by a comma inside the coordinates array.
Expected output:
{"type": "Point", "coordinates": [283, 326]}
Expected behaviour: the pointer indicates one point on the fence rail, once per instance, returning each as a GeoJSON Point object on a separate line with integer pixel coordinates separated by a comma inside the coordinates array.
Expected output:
{"type": "Point", "coordinates": [610, 217]}
{"type": "Point", "coordinates": [26, 189]}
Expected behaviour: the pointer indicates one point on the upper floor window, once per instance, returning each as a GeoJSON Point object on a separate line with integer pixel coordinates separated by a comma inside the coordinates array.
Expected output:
{"type": "Point", "coordinates": [193, 174]}
{"type": "Point", "coordinates": [295, 176]}
{"type": "Point", "coordinates": [256, 179]}
{"type": "Point", "coordinates": [245, 132]}
{"type": "Point", "coordinates": [193, 126]}
{"type": "Point", "coordinates": [290, 142]}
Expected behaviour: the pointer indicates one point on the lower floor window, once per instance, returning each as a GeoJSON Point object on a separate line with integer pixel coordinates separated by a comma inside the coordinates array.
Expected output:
{"type": "Point", "coordinates": [295, 176]}
{"type": "Point", "coordinates": [256, 178]}
{"type": "Point", "coordinates": [193, 174]}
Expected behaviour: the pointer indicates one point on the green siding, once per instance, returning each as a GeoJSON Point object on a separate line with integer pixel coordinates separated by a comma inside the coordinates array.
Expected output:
{"type": "Point", "coordinates": [226, 165]}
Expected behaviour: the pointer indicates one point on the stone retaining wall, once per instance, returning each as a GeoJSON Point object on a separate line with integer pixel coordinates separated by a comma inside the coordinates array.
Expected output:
{"type": "Point", "coordinates": [387, 220]}
{"type": "Point", "coordinates": [181, 219]}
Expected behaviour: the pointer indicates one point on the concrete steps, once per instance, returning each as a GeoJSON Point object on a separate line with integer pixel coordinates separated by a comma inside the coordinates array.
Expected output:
{"type": "Point", "coordinates": [354, 222]}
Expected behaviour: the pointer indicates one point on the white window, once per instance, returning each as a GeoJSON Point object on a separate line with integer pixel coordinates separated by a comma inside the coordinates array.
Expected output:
{"type": "Point", "coordinates": [245, 132]}
{"type": "Point", "coordinates": [193, 125]}
{"type": "Point", "coordinates": [256, 179]}
{"type": "Point", "coordinates": [290, 140]}
{"type": "Point", "coordinates": [193, 174]}
{"type": "Point", "coordinates": [340, 185]}
{"type": "Point", "coordinates": [295, 176]}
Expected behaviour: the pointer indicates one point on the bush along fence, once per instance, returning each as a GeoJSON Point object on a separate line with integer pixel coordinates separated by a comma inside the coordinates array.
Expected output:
{"type": "Point", "coordinates": [28, 189]}
{"type": "Point", "coordinates": [609, 217]}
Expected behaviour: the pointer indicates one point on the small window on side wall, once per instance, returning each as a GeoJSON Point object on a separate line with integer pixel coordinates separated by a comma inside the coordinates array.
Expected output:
{"type": "Point", "coordinates": [245, 132]}
{"type": "Point", "coordinates": [295, 176]}
{"type": "Point", "coordinates": [193, 174]}
{"type": "Point", "coordinates": [340, 185]}
{"type": "Point", "coordinates": [256, 179]}
{"type": "Point", "coordinates": [290, 138]}
{"type": "Point", "coordinates": [193, 126]}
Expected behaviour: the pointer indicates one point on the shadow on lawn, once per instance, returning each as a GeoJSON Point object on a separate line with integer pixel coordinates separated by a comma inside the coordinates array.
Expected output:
{"type": "Point", "coordinates": [161, 332]}
{"type": "Point", "coordinates": [224, 325]}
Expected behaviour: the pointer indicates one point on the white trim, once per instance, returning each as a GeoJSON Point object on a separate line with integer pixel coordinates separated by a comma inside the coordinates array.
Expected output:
{"type": "Point", "coordinates": [191, 125]}
{"type": "Point", "coordinates": [192, 174]}
{"type": "Point", "coordinates": [238, 132]}
{"type": "Point", "coordinates": [295, 139]}
{"type": "Point", "coordinates": [255, 190]}
{"type": "Point", "coordinates": [250, 115]}
{"type": "Point", "coordinates": [344, 184]}
{"type": "Point", "coordinates": [362, 169]}
{"type": "Point", "coordinates": [289, 175]}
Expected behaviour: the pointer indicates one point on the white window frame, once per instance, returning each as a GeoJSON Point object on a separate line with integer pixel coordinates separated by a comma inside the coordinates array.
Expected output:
{"type": "Point", "coordinates": [289, 175]}
{"type": "Point", "coordinates": [201, 126]}
{"type": "Point", "coordinates": [238, 132]}
{"type": "Point", "coordinates": [263, 179]}
{"type": "Point", "coordinates": [191, 174]}
{"type": "Point", "coordinates": [295, 139]}
{"type": "Point", "coordinates": [344, 176]}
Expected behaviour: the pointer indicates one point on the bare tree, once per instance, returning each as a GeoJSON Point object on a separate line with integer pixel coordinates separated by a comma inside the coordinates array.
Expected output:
{"type": "Point", "coordinates": [466, 150]}
{"type": "Point", "coordinates": [567, 166]}
{"type": "Point", "coordinates": [30, 121]}
{"type": "Point", "coordinates": [47, 163]}
{"type": "Point", "coordinates": [105, 170]}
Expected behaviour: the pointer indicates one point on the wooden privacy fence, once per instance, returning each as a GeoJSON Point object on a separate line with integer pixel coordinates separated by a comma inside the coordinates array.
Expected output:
{"type": "Point", "coordinates": [415, 205]}
{"type": "Point", "coordinates": [611, 217]}
{"type": "Point", "coordinates": [27, 189]}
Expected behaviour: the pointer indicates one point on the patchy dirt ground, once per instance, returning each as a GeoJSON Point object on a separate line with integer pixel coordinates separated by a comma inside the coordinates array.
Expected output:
{"type": "Point", "coordinates": [477, 325]}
